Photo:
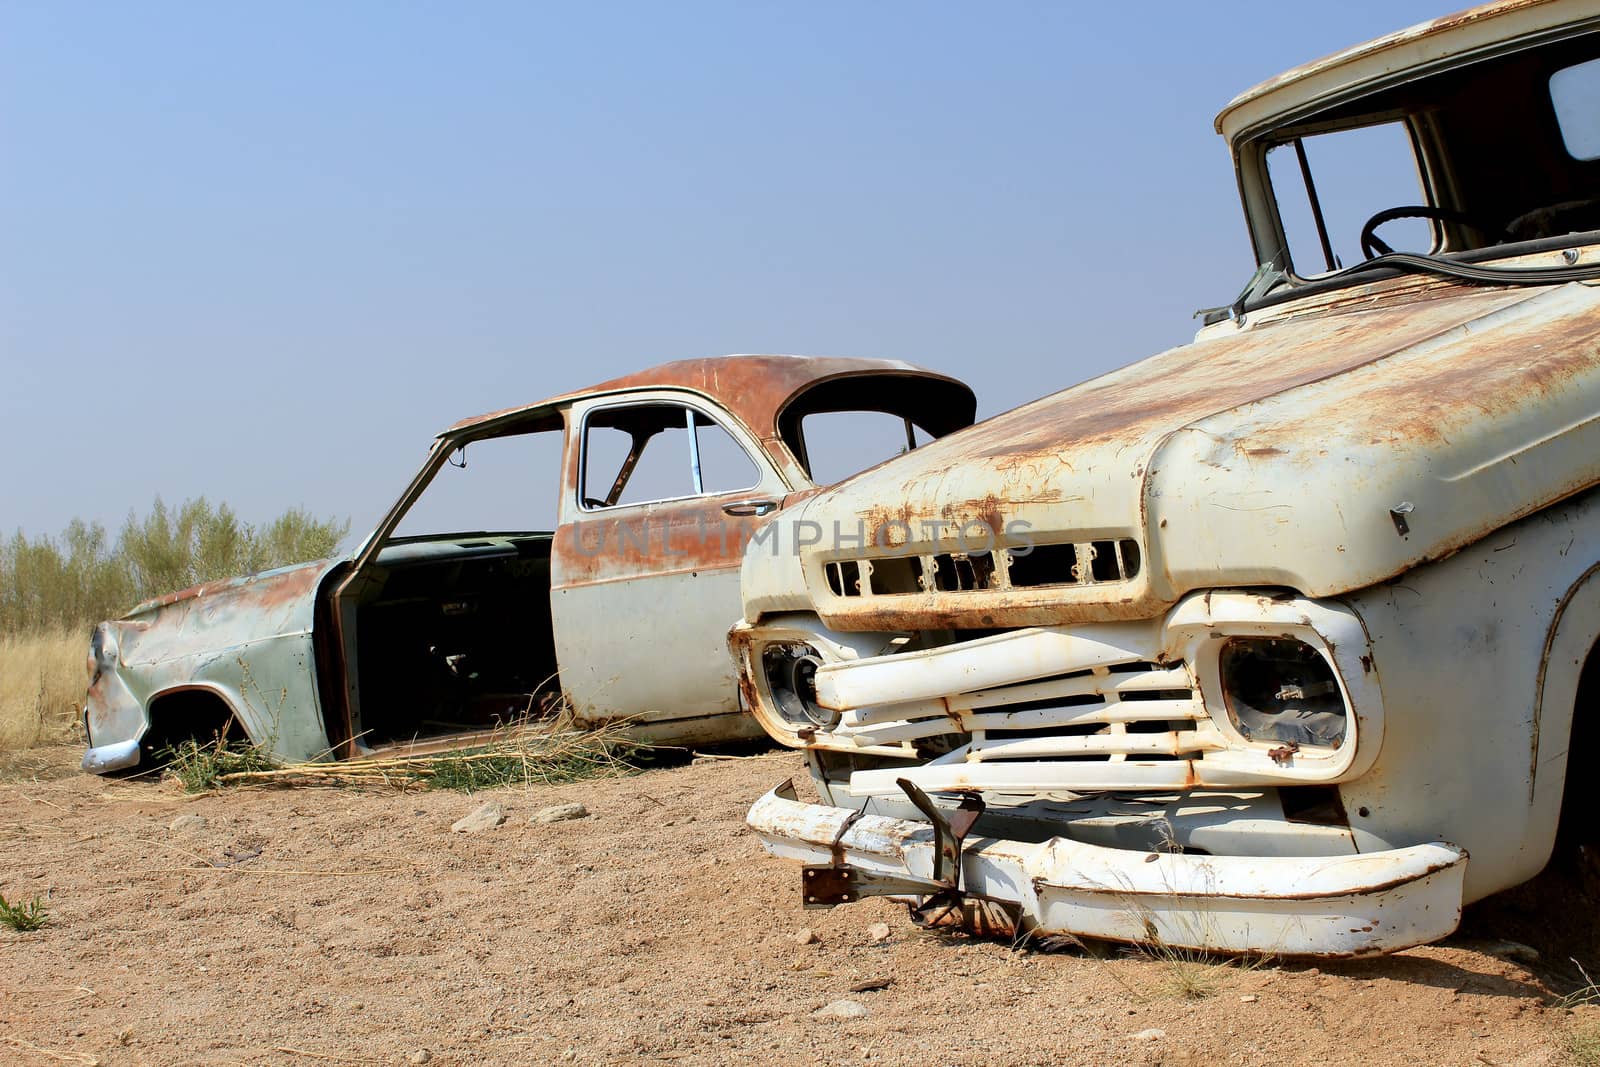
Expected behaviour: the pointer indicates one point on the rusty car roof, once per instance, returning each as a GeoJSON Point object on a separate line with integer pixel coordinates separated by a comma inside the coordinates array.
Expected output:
{"type": "Point", "coordinates": [1426, 43]}
{"type": "Point", "coordinates": [754, 388]}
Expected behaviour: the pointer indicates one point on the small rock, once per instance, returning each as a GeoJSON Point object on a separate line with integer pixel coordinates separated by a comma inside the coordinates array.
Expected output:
{"type": "Point", "coordinates": [1152, 1034]}
{"type": "Point", "coordinates": [1249, 998]}
{"type": "Point", "coordinates": [1515, 951]}
{"type": "Point", "coordinates": [484, 817]}
{"type": "Point", "coordinates": [872, 985]}
{"type": "Point", "coordinates": [422, 1055]}
{"type": "Point", "coordinates": [561, 813]}
{"type": "Point", "coordinates": [878, 933]}
{"type": "Point", "coordinates": [842, 1009]}
{"type": "Point", "coordinates": [806, 936]}
{"type": "Point", "coordinates": [184, 823]}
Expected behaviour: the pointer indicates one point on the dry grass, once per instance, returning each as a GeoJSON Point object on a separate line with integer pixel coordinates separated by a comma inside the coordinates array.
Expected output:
{"type": "Point", "coordinates": [1583, 1045]}
{"type": "Point", "coordinates": [527, 752]}
{"type": "Point", "coordinates": [41, 687]}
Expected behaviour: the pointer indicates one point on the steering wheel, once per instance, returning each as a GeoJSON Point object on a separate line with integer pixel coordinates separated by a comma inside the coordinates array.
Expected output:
{"type": "Point", "coordinates": [1373, 246]}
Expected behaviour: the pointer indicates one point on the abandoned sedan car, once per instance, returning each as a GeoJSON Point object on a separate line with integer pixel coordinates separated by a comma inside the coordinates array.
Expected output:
{"type": "Point", "coordinates": [459, 613]}
{"type": "Point", "coordinates": [1276, 642]}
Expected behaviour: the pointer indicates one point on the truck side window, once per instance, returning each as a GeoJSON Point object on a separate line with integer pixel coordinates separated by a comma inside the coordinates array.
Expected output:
{"type": "Point", "coordinates": [641, 453]}
{"type": "Point", "coordinates": [1575, 94]}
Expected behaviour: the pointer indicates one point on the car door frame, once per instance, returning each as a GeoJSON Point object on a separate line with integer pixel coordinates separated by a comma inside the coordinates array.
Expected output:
{"type": "Point", "coordinates": [618, 571]}
{"type": "Point", "coordinates": [340, 681]}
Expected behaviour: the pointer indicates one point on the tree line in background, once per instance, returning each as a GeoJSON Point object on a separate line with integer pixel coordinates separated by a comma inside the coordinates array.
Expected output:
{"type": "Point", "coordinates": [50, 583]}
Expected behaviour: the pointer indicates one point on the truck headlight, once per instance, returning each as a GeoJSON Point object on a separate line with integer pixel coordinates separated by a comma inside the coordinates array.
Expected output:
{"type": "Point", "coordinates": [1280, 689]}
{"type": "Point", "coordinates": [791, 679]}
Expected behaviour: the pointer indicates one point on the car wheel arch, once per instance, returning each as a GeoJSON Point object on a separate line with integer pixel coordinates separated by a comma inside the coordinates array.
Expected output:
{"type": "Point", "coordinates": [194, 711]}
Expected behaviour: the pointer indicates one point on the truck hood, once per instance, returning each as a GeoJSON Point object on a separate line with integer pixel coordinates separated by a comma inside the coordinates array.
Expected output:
{"type": "Point", "coordinates": [1322, 452]}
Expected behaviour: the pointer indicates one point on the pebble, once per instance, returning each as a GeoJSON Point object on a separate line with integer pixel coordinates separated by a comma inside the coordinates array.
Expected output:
{"type": "Point", "coordinates": [842, 1009]}
{"type": "Point", "coordinates": [1152, 1034]}
{"type": "Point", "coordinates": [561, 813]}
{"type": "Point", "coordinates": [422, 1055]}
{"type": "Point", "coordinates": [484, 817]}
{"type": "Point", "coordinates": [185, 823]}
{"type": "Point", "coordinates": [1249, 998]}
{"type": "Point", "coordinates": [878, 933]}
{"type": "Point", "coordinates": [806, 936]}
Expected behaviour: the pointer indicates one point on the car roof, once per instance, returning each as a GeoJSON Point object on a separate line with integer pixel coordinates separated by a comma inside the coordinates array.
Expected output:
{"type": "Point", "coordinates": [754, 388]}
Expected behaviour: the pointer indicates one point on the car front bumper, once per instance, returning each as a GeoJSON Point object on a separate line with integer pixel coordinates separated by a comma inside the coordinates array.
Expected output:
{"type": "Point", "coordinates": [1291, 906]}
{"type": "Point", "coordinates": [117, 756]}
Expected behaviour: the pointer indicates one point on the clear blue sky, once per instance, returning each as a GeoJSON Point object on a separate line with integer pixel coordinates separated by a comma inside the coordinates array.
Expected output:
{"type": "Point", "coordinates": [265, 252]}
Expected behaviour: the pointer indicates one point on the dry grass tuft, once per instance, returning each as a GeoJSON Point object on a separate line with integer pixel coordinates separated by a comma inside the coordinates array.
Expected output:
{"type": "Point", "coordinates": [529, 752]}
{"type": "Point", "coordinates": [42, 682]}
{"type": "Point", "coordinates": [1187, 974]}
{"type": "Point", "coordinates": [1583, 1046]}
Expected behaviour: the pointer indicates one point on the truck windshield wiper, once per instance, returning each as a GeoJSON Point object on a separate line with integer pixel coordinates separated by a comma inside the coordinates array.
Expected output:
{"type": "Point", "coordinates": [1420, 263]}
{"type": "Point", "coordinates": [1269, 277]}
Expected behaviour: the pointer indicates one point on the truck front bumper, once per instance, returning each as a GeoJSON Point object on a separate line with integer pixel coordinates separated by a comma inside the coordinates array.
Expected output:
{"type": "Point", "coordinates": [1292, 906]}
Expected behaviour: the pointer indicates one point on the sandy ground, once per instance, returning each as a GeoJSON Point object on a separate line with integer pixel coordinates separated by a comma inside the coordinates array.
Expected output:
{"type": "Point", "coordinates": [317, 925]}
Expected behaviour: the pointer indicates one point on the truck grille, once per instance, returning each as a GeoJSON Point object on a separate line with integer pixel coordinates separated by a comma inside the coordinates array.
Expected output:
{"type": "Point", "coordinates": [1136, 710]}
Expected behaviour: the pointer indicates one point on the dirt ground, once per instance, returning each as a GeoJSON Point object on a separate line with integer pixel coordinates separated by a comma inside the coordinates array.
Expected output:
{"type": "Point", "coordinates": [328, 925]}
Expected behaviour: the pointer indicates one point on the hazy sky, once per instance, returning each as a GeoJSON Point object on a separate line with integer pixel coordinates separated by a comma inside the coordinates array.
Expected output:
{"type": "Point", "coordinates": [264, 253]}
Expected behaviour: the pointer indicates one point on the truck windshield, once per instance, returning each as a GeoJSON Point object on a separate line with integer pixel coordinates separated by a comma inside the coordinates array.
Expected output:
{"type": "Point", "coordinates": [1488, 154]}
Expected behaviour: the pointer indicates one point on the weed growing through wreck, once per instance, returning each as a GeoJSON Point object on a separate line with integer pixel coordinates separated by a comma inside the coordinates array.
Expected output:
{"type": "Point", "coordinates": [23, 917]}
{"type": "Point", "coordinates": [200, 766]}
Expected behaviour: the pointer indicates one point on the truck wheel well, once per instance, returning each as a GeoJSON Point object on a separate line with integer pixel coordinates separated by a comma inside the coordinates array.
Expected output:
{"type": "Point", "coordinates": [1580, 801]}
{"type": "Point", "coordinates": [188, 715]}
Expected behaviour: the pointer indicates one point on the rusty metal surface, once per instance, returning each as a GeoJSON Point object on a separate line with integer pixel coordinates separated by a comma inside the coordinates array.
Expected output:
{"type": "Point", "coordinates": [1476, 406]}
{"type": "Point", "coordinates": [246, 641]}
{"type": "Point", "coordinates": [754, 388]}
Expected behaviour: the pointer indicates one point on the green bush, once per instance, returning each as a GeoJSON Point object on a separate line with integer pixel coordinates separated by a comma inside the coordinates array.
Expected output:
{"type": "Point", "coordinates": [49, 583]}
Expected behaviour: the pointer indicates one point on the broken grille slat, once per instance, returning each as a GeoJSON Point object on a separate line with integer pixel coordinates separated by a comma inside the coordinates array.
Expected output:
{"type": "Point", "coordinates": [1029, 719]}
{"type": "Point", "coordinates": [1077, 685]}
{"type": "Point", "coordinates": [1172, 743]}
{"type": "Point", "coordinates": [1031, 776]}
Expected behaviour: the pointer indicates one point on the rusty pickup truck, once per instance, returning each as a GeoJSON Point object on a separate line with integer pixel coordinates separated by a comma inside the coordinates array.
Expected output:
{"type": "Point", "coordinates": [458, 614]}
{"type": "Point", "coordinates": [1282, 641]}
